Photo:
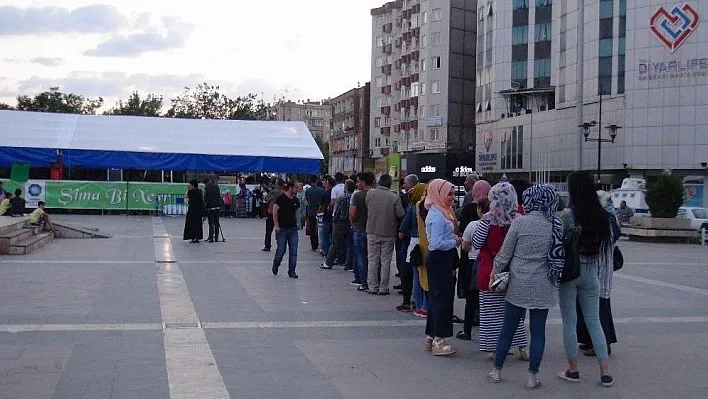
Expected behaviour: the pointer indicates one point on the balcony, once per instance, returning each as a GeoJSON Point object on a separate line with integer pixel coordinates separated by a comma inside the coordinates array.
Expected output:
{"type": "Point", "coordinates": [414, 124]}
{"type": "Point", "coordinates": [386, 110]}
{"type": "Point", "coordinates": [386, 90]}
{"type": "Point", "coordinates": [387, 28]}
{"type": "Point", "coordinates": [386, 131]}
{"type": "Point", "coordinates": [415, 77]}
{"type": "Point", "coordinates": [386, 69]}
{"type": "Point", "coordinates": [388, 49]}
{"type": "Point", "coordinates": [385, 151]}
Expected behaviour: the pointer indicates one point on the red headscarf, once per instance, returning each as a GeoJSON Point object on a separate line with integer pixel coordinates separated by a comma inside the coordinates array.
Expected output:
{"type": "Point", "coordinates": [480, 190]}
{"type": "Point", "coordinates": [438, 190]}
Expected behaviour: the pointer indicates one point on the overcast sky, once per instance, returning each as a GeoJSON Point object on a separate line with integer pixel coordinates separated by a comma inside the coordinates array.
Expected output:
{"type": "Point", "coordinates": [297, 49]}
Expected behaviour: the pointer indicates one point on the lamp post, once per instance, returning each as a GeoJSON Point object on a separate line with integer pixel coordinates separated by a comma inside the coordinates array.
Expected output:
{"type": "Point", "coordinates": [599, 140]}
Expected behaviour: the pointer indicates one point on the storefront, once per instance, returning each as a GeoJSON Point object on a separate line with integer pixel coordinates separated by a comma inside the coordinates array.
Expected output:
{"type": "Point", "coordinates": [426, 166]}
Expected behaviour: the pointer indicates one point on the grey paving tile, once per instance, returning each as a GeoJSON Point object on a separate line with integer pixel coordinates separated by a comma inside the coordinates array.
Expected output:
{"type": "Point", "coordinates": [257, 390]}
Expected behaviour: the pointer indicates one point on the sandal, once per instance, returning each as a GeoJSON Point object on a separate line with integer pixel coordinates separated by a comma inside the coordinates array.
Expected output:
{"type": "Point", "coordinates": [442, 348]}
{"type": "Point", "coordinates": [428, 344]}
{"type": "Point", "coordinates": [533, 384]}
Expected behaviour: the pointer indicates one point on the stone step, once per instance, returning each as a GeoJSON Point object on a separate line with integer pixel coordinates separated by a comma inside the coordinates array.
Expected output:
{"type": "Point", "coordinates": [9, 224]}
{"type": "Point", "coordinates": [31, 244]}
{"type": "Point", "coordinates": [13, 237]}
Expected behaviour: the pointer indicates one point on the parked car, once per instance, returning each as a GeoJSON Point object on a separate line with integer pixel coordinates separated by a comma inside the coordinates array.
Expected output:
{"type": "Point", "coordinates": [698, 216]}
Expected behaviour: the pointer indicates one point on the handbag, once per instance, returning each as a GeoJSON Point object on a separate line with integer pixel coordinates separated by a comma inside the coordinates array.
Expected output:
{"type": "Point", "coordinates": [617, 259]}
{"type": "Point", "coordinates": [571, 245]}
{"type": "Point", "coordinates": [500, 282]}
{"type": "Point", "coordinates": [308, 227]}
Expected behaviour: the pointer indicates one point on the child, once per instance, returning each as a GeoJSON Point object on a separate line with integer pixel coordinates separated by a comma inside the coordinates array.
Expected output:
{"type": "Point", "coordinates": [6, 205]}
{"type": "Point", "coordinates": [40, 218]}
{"type": "Point", "coordinates": [18, 203]}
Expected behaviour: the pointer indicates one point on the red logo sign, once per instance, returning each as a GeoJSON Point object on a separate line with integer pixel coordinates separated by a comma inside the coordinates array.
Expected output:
{"type": "Point", "coordinates": [488, 140]}
{"type": "Point", "coordinates": [675, 27]}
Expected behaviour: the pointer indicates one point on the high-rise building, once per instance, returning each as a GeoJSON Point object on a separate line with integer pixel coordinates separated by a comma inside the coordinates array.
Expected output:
{"type": "Point", "coordinates": [316, 115]}
{"type": "Point", "coordinates": [349, 142]}
{"type": "Point", "coordinates": [422, 86]}
{"type": "Point", "coordinates": [550, 71]}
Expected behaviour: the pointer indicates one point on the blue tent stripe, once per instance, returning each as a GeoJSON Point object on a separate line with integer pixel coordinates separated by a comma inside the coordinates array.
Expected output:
{"type": "Point", "coordinates": [44, 157]}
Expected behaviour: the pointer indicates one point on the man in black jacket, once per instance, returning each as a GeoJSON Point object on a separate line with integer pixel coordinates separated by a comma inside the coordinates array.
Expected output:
{"type": "Point", "coordinates": [213, 202]}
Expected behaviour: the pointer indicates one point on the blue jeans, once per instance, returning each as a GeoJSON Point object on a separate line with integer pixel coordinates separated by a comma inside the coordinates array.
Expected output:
{"type": "Point", "coordinates": [326, 237]}
{"type": "Point", "coordinates": [586, 289]}
{"type": "Point", "coordinates": [361, 256]}
{"type": "Point", "coordinates": [287, 237]}
{"type": "Point", "coordinates": [512, 317]}
{"type": "Point", "coordinates": [419, 298]}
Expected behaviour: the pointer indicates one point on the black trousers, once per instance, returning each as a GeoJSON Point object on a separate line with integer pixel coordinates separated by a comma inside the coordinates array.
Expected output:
{"type": "Point", "coordinates": [213, 218]}
{"type": "Point", "coordinates": [608, 326]}
{"type": "Point", "coordinates": [314, 238]}
{"type": "Point", "coordinates": [270, 225]}
{"type": "Point", "coordinates": [441, 296]}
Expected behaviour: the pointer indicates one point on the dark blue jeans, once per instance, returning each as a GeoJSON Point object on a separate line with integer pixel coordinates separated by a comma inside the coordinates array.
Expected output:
{"type": "Point", "coordinates": [326, 239]}
{"type": "Point", "coordinates": [287, 237]}
{"type": "Point", "coordinates": [512, 316]}
{"type": "Point", "coordinates": [361, 256]}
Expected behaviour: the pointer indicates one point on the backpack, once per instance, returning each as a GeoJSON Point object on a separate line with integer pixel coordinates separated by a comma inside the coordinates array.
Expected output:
{"type": "Point", "coordinates": [571, 244]}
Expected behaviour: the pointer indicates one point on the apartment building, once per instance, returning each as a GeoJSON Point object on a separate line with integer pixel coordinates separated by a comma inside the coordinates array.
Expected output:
{"type": "Point", "coordinates": [316, 115]}
{"type": "Point", "coordinates": [349, 142]}
{"type": "Point", "coordinates": [635, 72]}
{"type": "Point", "coordinates": [423, 86]}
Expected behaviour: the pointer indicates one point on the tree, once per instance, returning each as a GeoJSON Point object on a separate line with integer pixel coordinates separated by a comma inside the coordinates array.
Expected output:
{"type": "Point", "coordinates": [665, 196]}
{"type": "Point", "coordinates": [58, 102]}
{"type": "Point", "coordinates": [324, 147]}
{"type": "Point", "coordinates": [207, 102]}
{"type": "Point", "coordinates": [4, 106]}
{"type": "Point", "coordinates": [136, 106]}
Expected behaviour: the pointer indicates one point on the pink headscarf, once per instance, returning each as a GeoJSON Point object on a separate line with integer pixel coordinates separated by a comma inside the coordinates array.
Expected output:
{"type": "Point", "coordinates": [438, 190]}
{"type": "Point", "coordinates": [480, 190]}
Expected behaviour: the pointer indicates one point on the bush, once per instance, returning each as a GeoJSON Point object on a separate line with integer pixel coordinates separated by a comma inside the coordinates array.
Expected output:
{"type": "Point", "coordinates": [665, 196]}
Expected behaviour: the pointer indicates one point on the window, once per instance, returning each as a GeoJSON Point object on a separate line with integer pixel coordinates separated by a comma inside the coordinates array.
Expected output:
{"type": "Point", "coordinates": [512, 149]}
{"type": "Point", "coordinates": [422, 88]}
{"type": "Point", "coordinates": [437, 14]}
{"type": "Point", "coordinates": [436, 62]}
{"type": "Point", "coordinates": [435, 38]}
{"type": "Point", "coordinates": [414, 90]}
{"type": "Point", "coordinates": [379, 81]}
{"type": "Point", "coordinates": [606, 8]}
{"type": "Point", "coordinates": [520, 34]}
{"type": "Point", "coordinates": [435, 87]}
{"type": "Point", "coordinates": [542, 68]}
{"type": "Point", "coordinates": [541, 3]}
{"type": "Point", "coordinates": [543, 32]}
{"type": "Point", "coordinates": [421, 109]}
{"type": "Point", "coordinates": [434, 135]}
{"type": "Point", "coordinates": [379, 62]}
{"type": "Point", "coordinates": [377, 122]}
{"type": "Point", "coordinates": [422, 65]}
{"type": "Point", "coordinates": [521, 4]}
{"type": "Point", "coordinates": [519, 74]}
{"type": "Point", "coordinates": [379, 41]}
{"type": "Point", "coordinates": [377, 142]}
{"type": "Point", "coordinates": [423, 41]}
{"type": "Point", "coordinates": [425, 18]}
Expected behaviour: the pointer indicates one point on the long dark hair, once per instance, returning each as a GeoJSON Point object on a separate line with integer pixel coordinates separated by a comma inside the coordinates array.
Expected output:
{"type": "Point", "coordinates": [589, 213]}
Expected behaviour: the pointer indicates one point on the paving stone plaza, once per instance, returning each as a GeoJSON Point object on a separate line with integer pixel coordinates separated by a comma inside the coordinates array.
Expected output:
{"type": "Point", "coordinates": [146, 315]}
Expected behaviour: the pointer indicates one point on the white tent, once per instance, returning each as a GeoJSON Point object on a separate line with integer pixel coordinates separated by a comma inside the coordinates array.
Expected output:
{"type": "Point", "coordinates": [132, 142]}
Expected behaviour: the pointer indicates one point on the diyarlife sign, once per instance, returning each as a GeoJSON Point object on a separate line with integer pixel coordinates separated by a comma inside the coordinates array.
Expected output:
{"type": "Point", "coordinates": [672, 26]}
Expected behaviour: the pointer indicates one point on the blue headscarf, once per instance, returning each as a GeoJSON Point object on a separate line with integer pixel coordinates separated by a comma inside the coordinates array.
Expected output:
{"type": "Point", "coordinates": [543, 198]}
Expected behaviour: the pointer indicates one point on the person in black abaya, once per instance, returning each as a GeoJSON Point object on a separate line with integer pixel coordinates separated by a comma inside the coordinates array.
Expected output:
{"type": "Point", "coordinates": [193, 224]}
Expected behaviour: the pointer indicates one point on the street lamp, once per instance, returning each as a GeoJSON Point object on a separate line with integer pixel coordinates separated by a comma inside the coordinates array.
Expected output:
{"type": "Point", "coordinates": [599, 140]}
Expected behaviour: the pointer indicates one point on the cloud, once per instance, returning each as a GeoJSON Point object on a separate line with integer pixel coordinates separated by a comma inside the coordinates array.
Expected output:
{"type": "Point", "coordinates": [48, 61]}
{"type": "Point", "coordinates": [96, 18]}
{"type": "Point", "coordinates": [172, 33]}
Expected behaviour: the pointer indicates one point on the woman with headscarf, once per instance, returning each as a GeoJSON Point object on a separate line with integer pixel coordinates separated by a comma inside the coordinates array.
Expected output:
{"type": "Point", "coordinates": [442, 248]}
{"type": "Point", "coordinates": [468, 257]}
{"type": "Point", "coordinates": [193, 230]}
{"type": "Point", "coordinates": [409, 229]}
{"type": "Point", "coordinates": [488, 239]}
{"type": "Point", "coordinates": [608, 326]}
{"type": "Point", "coordinates": [533, 253]}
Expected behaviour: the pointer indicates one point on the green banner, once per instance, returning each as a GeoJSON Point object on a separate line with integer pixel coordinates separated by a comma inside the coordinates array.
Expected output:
{"type": "Point", "coordinates": [103, 195]}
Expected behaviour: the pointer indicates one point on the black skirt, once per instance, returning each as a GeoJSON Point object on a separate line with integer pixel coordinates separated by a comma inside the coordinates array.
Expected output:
{"type": "Point", "coordinates": [193, 229]}
{"type": "Point", "coordinates": [608, 327]}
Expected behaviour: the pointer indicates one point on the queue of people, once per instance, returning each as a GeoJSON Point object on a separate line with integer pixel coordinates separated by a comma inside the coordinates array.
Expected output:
{"type": "Point", "coordinates": [504, 252]}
